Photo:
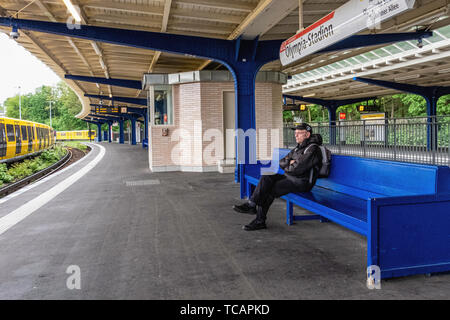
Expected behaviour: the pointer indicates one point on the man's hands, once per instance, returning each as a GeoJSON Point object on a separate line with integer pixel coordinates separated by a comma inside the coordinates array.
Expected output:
{"type": "Point", "coordinates": [291, 162]}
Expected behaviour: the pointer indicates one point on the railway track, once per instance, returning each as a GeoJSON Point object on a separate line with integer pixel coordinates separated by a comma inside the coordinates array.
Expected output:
{"type": "Point", "coordinates": [10, 188]}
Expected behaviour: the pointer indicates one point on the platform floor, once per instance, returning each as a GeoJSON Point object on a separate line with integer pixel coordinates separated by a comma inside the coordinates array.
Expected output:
{"type": "Point", "coordinates": [141, 235]}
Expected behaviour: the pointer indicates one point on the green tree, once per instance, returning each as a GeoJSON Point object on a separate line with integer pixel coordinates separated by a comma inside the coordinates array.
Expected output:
{"type": "Point", "coordinates": [36, 107]}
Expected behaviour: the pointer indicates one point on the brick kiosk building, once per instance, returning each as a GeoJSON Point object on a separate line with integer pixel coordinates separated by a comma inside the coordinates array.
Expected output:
{"type": "Point", "coordinates": [192, 119]}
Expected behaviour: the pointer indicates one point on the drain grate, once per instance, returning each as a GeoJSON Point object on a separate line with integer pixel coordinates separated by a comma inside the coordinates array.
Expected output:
{"type": "Point", "coordinates": [142, 183]}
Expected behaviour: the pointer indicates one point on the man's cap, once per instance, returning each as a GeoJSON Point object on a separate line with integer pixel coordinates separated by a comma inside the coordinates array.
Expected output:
{"type": "Point", "coordinates": [303, 126]}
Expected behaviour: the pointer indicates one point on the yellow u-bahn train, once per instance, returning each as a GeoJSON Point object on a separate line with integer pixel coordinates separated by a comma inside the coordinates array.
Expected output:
{"type": "Point", "coordinates": [21, 138]}
{"type": "Point", "coordinates": [75, 135]}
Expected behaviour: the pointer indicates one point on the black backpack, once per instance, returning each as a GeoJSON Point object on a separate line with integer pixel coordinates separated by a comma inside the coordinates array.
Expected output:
{"type": "Point", "coordinates": [324, 170]}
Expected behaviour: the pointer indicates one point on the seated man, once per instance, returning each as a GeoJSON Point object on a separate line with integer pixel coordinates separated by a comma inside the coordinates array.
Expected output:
{"type": "Point", "coordinates": [301, 168]}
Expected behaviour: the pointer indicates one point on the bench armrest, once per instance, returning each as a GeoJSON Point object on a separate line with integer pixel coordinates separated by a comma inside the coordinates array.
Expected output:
{"type": "Point", "coordinates": [409, 234]}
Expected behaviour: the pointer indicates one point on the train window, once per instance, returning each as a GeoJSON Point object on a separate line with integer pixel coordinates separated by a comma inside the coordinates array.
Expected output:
{"type": "Point", "coordinates": [24, 132]}
{"type": "Point", "coordinates": [79, 133]}
{"type": "Point", "coordinates": [30, 135]}
{"type": "Point", "coordinates": [10, 132]}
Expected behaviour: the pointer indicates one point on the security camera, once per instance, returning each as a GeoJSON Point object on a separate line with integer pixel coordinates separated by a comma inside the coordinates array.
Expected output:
{"type": "Point", "coordinates": [14, 35]}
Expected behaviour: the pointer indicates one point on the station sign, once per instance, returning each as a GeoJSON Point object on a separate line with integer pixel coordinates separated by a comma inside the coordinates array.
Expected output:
{"type": "Point", "coordinates": [373, 116]}
{"type": "Point", "coordinates": [368, 108]}
{"type": "Point", "coordinates": [349, 19]}
{"type": "Point", "coordinates": [108, 109]}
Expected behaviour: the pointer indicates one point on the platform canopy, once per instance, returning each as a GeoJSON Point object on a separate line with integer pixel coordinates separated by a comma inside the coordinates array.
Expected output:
{"type": "Point", "coordinates": [403, 62]}
{"type": "Point", "coordinates": [231, 19]}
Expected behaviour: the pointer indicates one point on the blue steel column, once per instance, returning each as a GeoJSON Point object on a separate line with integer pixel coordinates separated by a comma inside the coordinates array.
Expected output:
{"type": "Point", "coordinates": [121, 134]}
{"type": "Point", "coordinates": [145, 131]}
{"type": "Point", "coordinates": [432, 137]}
{"type": "Point", "coordinates": [133, 132]}
{"type": "Point", "coordinates": [245, 120]}
{"type": "Point", "coordinates": [99, 132]}
{"type": "Point", "coordinates": [332, 123]}
{"type": "Point", "coordinates": [109, 132]}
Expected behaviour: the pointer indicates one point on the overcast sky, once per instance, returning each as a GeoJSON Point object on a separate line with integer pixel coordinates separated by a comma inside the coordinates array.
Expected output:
{"type": "Point", "coordinates": [19, 68]}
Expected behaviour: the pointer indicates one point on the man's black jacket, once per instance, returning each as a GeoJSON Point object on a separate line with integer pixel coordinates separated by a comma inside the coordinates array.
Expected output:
{"type": "Point", "coordinates": [300, 170]}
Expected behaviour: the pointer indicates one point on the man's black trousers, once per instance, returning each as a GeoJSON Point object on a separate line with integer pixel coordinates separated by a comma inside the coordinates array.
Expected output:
{"type": "Point", "coordinates": [273, 186]}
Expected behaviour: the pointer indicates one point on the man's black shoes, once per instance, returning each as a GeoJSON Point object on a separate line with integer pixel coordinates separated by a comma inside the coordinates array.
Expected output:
{"type": "Point", "coordinates": [255, 225]}
{"type": "Point", "coordinates": [245, 208]}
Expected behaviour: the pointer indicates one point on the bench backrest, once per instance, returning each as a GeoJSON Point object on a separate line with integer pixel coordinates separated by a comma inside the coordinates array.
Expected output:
{"type": "Point", "coordinates": [384, 178]}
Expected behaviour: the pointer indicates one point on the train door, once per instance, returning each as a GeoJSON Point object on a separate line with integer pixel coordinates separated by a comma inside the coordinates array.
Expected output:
{"type": "Point", "coordinates": [25, 142]}
{"type": "Point", "coordinates": [30, 139]}
{"type": "Point", "coordinates": [18, 139]}
{"type": "Point", "coordinates": [2, 140]}
{"type": "Point", "coordinates": [34, 135]}
{"type": "Point", "coordinates": [38, 138]}
{"type": "Point", "coordinates": [11, 139]}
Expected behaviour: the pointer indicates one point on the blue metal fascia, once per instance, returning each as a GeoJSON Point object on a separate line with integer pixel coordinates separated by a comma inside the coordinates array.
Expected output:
{"type": "Point", "coordinates": [423, 91]}
{"type": "Point", "coordinates": [132, 84]}
{"type": "Point", "coordinates": [367, 40]}
{"type": "Point", "coordinates": [141, 111]}
{"type": "Point", "coordinates": [172, 43]}
{"type": "Point", "coordinates": [138, 101]}
{"type": "Point", "coordinates": [94, 122]}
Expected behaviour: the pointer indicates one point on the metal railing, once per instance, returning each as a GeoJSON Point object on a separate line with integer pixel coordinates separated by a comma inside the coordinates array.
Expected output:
{"type": "Point", "coordinates": [417, 140]}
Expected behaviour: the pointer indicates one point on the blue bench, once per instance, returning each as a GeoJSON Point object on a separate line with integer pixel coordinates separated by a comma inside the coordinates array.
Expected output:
{"type": "Point", "coordinates": [403, 209]}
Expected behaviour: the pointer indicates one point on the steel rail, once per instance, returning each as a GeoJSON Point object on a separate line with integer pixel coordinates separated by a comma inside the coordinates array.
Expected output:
{"type": "Point", "coordinates": [36, 176]}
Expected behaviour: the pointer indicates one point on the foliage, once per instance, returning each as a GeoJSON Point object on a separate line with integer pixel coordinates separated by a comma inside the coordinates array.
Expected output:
{"type": "Point", "coordinates": [75, 144]}
{"type": "Point", "coordinates": [4, 176]}
{"type": "Point", "coordinates": [36, 107]}
{"type": "Point", "coordinates": [22, 169]}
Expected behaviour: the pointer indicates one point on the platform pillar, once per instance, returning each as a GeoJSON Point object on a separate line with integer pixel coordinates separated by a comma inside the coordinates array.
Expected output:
{"type": "Point", "coordinates": [109, 132]}
{"type": "Point", "coordinates": [121, 133]}
{"type": "Point", "coordinates": [133, 132]}
{"type": "Point", "coordinates": [99, 132]}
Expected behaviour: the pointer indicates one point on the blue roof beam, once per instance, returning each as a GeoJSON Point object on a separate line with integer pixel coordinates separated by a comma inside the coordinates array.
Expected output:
{"type": "Point", "coordinates": [132, 84]}
{"type": "Point", "coordinates": [137, 101]}
{"type": "Point", "coordinates": [334, 104]}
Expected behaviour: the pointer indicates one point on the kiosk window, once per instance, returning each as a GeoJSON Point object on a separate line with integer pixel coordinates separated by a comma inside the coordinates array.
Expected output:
{"type": "Point", "coordinates": [163, 110]}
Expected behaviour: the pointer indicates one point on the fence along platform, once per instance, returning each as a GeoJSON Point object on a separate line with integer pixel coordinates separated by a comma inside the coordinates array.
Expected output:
{"type": "Point", "coordinates": [403, 139]}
